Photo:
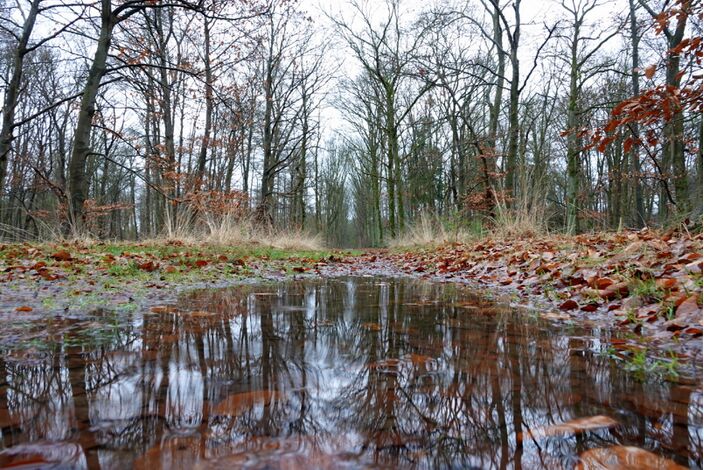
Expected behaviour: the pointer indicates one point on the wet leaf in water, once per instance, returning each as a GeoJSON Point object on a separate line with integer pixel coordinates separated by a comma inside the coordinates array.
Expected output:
{"type": "Point", "coordinates": [555, 316]}
{"type": "Point", "coordinates": [201, 314]}
{"type": "Point", "coordinates": [163, 309]}
{"type": "Point", "coordinates": [623, 458]}
{"type": "Point", "coordinates": [179, 453]}
{"type": "Point", "coordinates": [570, 428]}
{"type": "Point", "coordinates": [40, 455]}
{"type": "Point", "coordinates": [419, 359]}
{"type": "Point", "coordinates": [235, 404]}
{"type": "Point", "coordinates": [371, 326]}
{"type": "Point", "coordinates": [385, 364]}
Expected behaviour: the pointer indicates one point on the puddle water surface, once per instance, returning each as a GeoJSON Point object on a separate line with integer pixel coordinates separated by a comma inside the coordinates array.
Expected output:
{"type": "Point", "coordinates": [339, 373]}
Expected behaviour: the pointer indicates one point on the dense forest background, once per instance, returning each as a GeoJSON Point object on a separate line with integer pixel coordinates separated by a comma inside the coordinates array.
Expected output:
{"type": "Point", "coordinates": [132, 119]}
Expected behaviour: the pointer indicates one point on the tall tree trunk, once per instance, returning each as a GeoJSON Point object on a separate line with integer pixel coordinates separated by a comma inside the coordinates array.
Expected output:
{"type": "Point", "coordinates": [573, 150]}
{"type": "Point", "coordinates": [13, 90]}
{"type": "Point", "coordinates": [513, 128]}
{"type": "Point", "coordinates": [638, 218]}
{"type": "Point", "coordinates": [167, 117]}
{"type": "Point", "coordinates": [268, 170]}
{"type": "Point", "coordinates": [392, 157]}
{"type": "Point", "coordinates": [77, 179]}
{"type": "Point", "coordinates": [202, 157]}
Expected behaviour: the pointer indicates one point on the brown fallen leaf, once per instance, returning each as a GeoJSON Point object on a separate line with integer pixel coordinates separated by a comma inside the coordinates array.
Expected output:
{"type": "Point", "coordinates": [569, 305]}
{"type": "Point", "coordinates": [236, 404]}
{"type": "Point", "coordinates": [572, 427]}
{"type": "Point", "coordinates": [24, 308]}
{"type": "Point", "coordinates": [666, 283]}
{"type": "Point", "coordinates": [162, 309]}
{"type": "Point", "coordinates": [62, 255]}
{"type": "Point", "coordinates": [618, 290]}
{"type": "Point", "coordinates": [371, 326]}
{"type": "Point", "coordinates": [149, 266]}
{"type": "Point", "coordinates": [623, 458]}
{"type": "Point", "coordinates": [601, 283]}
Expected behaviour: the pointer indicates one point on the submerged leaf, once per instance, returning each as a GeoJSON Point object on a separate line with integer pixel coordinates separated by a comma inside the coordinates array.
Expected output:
{"type": "Point", "coordinates": [572, 427]}
{"type": "Point", "coordinates": [623, 458]}
{"type": "Point", "coordinates": [237, 403]}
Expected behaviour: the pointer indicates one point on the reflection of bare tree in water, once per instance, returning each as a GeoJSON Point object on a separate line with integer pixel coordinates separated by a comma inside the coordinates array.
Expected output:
{"type": "Point", "coordinates": [392, 372]}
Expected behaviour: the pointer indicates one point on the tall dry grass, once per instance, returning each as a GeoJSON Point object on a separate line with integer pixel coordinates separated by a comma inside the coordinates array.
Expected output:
{"type": "Point", "coordinates": [236, 230]}
{"type": "Point", "coordinates": [527, 217]}
{"type": "Point", "coordinates": [430, 230]}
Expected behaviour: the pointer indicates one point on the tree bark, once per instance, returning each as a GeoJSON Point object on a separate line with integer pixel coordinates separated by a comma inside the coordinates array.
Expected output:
{"type": "Point", "coordinates": [13, 90]}
{"type": "Point", "coordinates": [77, 180]}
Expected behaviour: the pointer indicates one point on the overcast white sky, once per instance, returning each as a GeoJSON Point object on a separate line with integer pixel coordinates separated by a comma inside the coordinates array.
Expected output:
{"type": "Point", "coordinates": [534, 15]}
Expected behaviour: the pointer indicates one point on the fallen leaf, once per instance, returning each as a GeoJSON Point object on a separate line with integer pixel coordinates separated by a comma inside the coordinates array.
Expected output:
{"type": "Point", "coordinates": [24, 308]}
{"type": "Point", "coordinates": [572, 427]}
{"type": "Point", "coordinates": [149, 266]}
{"type": "Point", "coordinates": [162, 309]}
{"type": "Point", "coordinates": [62, 255]}
{"type": "Point", "coordinates": [569, 305]}
{"type": "Point", "coordinates": [623, 458]}
{"type": "Point", "coordinates": [236, 404]}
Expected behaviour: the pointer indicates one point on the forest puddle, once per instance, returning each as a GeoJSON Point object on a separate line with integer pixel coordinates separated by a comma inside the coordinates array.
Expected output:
{"type": "Point", "coordinates": [338, 373]}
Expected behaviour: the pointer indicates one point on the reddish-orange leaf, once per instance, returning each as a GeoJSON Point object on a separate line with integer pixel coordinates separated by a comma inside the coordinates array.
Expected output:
{"type": "Point", "coordinates": [24, 308]}
{"type": "Point", "coordinates": [62, 255]}
{"type": "Point", "coordinates": [569, 305]}
{"type": "Point", "coordinates": [666, 283]}
{"type": "Point", "coordinates": [650, 71]}
{"type": "Point", "coordinates": [149, 266]}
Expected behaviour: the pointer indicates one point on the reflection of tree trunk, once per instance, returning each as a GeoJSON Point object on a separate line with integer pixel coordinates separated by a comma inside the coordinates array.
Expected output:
{"type": "Point", "coordinates": [79, 380]}
{"type": "Point", "coordinates": [203, 366]}
{"type": "Point", "coordinates": [498, 402]}
{"type": "Point", "coordinates": [268, 371]}
{"type": "Point", "coordinates": [516, 393]}
{"type": "Point", "coordinates": [680, 430]}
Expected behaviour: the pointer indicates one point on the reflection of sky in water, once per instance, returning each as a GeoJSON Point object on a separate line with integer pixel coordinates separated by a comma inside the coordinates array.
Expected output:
{"type": "Point", "coordinates": [394, 372]}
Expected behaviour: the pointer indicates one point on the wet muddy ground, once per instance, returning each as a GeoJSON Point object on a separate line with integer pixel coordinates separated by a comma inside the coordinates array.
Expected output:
{"type": "Point", "coordinates": [346, 372]}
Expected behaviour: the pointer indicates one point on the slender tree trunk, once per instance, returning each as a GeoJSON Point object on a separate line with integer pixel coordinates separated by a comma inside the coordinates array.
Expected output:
{"type": "Point", "coordinates": [513, 130]}
{"type": "Point", "coordinates": [167, 117]}
{"type": "Point", "coordinates": [202, 157]}
{"type": "Point", "coordinates": [573, 150]}
{"type": "Point", "coordinates": [392, 157]}
{"type": "Point", "coordinates": [638, 218]}
{"type": "Point", "coordinates": [13, 90]}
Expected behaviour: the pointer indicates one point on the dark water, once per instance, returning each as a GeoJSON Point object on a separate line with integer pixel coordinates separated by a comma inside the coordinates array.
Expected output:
{"type": "Point", "coordinates": [343, 373]}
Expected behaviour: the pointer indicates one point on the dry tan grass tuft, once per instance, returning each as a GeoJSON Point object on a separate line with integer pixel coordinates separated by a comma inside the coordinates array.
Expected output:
{"type": "Point", "coordinates": [429, 230]}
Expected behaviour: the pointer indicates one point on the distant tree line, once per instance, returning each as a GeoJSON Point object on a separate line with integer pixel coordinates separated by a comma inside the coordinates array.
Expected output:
{"type": "Point", "coordinates": [130, 119]}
